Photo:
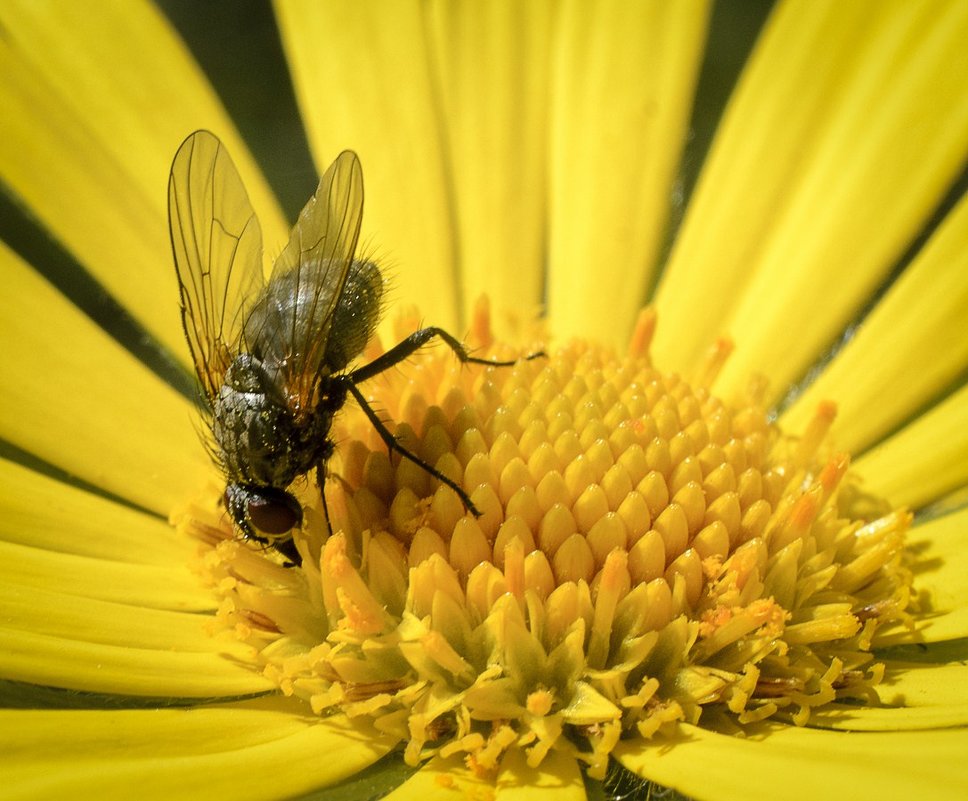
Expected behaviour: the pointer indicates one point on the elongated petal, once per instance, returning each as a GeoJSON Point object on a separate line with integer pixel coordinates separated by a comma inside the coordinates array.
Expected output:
{"type": "Point", "coordinates": [439, 780]}
{"type": "Point", "coordinates": [147, 586]}
{"type": "Point", "coordinates": [224, 671]}
{"type": "Point", "coordinates": [232, 752]}
{"type": "Point", "coordinates": [363, 80]}
{"type": "Point", "coordinates": [885, 720]}
{"type": "Point", "coordinates": [925, 460]}
{"type": "Point", "coordinates": [492, 60]}
{"type": "Point", "coordinates": [911, 347]}
{"type": "Point", "coordinates": [851, 718]}
{"type": "Point", "coordinates": [94, 106]}
{"type": "Point", "coordinates": [939, 551]}
{"type": "Point", "coordinates": [923, 764]}
{"type": "Point", "coordinates": [47, 514]}
{"type": "Point", "coordinates": [558, 777]}
{"type": "Point", "coordinates": [814, 187]}
{"type": "Point", "coordinates": [622, 88]}
{"type": "Point", "coordinates": [54, 614]}
{"type": "Point", "coordinates": [914, 684]}
{"type": "Point", "coordinates": [74, 386]}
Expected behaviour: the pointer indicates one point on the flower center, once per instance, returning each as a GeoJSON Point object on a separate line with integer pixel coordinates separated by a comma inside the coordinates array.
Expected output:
{"type": "Point", "coordinates": [646, 554]}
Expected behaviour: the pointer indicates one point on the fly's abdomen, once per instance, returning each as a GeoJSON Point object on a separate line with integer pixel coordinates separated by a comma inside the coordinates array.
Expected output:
{"type": "Point", "coordinates": [355, 316]}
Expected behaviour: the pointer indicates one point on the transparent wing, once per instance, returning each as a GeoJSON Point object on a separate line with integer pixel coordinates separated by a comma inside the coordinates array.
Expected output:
{"type": "Point", "coordinates": [217, 244]}
{"type": "Point", "coordinates": [290, 327]}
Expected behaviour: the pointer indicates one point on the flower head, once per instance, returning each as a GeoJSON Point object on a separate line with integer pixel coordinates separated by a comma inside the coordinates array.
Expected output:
{"type": "Point", "coordinates": [644, 553]}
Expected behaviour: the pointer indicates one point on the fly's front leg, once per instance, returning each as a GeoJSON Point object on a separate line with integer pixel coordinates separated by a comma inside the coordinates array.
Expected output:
{"type": "Point", "coordinates": [406, 348]}
{"type": "Point", "coordinates": [398, 353]}
{"type": "Point", "coordinates": [287, 547]}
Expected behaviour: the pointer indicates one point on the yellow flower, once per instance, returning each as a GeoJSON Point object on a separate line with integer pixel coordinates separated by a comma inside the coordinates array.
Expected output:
{"type": "Point", "coordinates": [527, 151]}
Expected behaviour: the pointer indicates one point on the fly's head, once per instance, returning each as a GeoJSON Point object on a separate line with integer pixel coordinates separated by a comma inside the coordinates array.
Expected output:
{"type": "Point", "coordinates": [265, 515]}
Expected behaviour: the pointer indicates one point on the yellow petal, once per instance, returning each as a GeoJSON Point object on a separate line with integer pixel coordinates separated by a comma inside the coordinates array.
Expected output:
{"type": "Point", "coordinates": [363, 81]}
{"type": "Point", "coordinates": [810, 194]}
{"type": "Point", "coordinates": [939, 550]}
{"type": "Point", "coordinates": [924, 460]}
{"type": "Point", "coordinates": [805, 763]}
{"type": "Point", "coordinates": [910, 348]}
{"type": "Point", "coordinates": [38, 511]}
{"type": "Point", "coordinates": [871, 719]}
{"type": "Point", "coordinates": [557, 777]}
{"type": "Point", "coordinates": [914, 684]}
{"type": "Point", "coordinates": [492, 61]}
{"type": "Point", "coordinates": [226, 670]}
{"type": "Point", "coordinates": [157, 732]}
{"type": "Point", "coordinates": [82, 403]}
{"type": "Point", "coordinates": [622, 87]}
{"type": "Point", "coordinates": [94, 106]}
{"type": "Point", "coordinates": [208, 753]}
{"type": "Point", "coordinates": [91, 620]}
{"type": "Point", "coordinates": [442, 780]}
{"type": "Point", "coordinates": [153, 586]}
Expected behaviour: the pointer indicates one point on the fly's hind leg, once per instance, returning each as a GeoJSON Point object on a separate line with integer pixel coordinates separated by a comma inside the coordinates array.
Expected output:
{"type": "Point", "coordinates": [394, 445]}
{"type": "Point", "coordinates": [322, 476]}
{"type": "Point", "coordinates": [321, 483]}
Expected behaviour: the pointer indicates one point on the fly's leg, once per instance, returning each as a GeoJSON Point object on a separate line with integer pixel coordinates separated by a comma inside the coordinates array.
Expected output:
{"type": "Point", "coordinates": [321, 483]}
{"type": "Point", "coordinates": [287, 547]}
{"type": "Point", "coordinates": [398, 353]}
{"type": "Point", "coordinates": [406, 348]}
{"type": "Point", "coordinates": [394, 445]}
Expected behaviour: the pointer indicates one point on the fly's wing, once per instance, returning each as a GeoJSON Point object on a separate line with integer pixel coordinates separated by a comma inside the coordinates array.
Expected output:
{"type": "Point", "coordinates": [292, 323]}
{"type": "Point", "coordinates": [217, 244]}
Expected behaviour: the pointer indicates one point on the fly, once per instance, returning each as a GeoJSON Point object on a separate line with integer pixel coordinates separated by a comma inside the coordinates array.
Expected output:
{"type": "Point", "coordinates": [273, 356]}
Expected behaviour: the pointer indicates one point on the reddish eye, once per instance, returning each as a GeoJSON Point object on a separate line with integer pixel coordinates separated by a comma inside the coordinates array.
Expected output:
{"type": "Point", "coordinates": [274, 515]}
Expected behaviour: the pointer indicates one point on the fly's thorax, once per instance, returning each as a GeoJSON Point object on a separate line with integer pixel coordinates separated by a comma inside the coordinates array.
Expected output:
{"type": "Point", "coordinates": [289, 315]}
{"type": "Point", "coordinates": [260, 440]}
{"type": "Point", "coordinates": [298, 310]}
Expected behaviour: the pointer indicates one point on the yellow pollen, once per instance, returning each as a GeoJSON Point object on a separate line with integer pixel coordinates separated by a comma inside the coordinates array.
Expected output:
{"type": "Point", "coordinates": [646, 553]}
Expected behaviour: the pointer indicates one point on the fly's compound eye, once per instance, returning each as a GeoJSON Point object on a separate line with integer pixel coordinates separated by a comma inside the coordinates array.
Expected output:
{"type": "Point", "coordinates": [273, 511]}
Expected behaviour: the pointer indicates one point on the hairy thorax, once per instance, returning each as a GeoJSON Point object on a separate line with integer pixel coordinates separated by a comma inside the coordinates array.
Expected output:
{"type": "Point", "coordinates": [259, 439]}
